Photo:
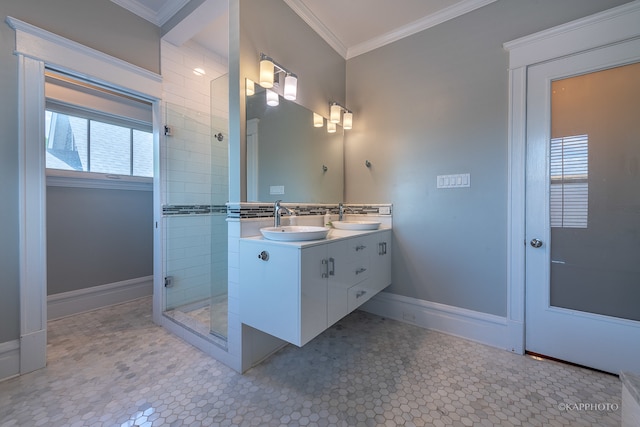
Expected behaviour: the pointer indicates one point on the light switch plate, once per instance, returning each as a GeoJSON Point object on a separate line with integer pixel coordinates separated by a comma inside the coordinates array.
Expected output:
{"type": "Point", "coordinates": [459, 180]}
{"type": "Point", "coordinates": [276, 189]}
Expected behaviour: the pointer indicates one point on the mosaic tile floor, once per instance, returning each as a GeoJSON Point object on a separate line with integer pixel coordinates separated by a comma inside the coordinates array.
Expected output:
{"type": "Point", "coordinates": [114, 367]}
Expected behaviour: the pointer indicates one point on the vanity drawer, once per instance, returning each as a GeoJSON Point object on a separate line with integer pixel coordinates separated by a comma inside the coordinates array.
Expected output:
{"type": "Point", "coordinates": [359, 294]}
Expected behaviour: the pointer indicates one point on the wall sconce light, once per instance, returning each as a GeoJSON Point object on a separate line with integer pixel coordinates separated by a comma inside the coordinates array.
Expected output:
{"type": "Point", "coordinates": [250, 87]}
{"type": "Point", "coordinates": [290, 87]}
{"type": "Point", "coordinates": [331, 127]}
{"type": "Point", "coordinates": [335, 111]}
{"type": "Point", "coordinates": [269, 68]}
{"type": "Point", "coordinates": [272, 98]}
{"type": "Point", "coordinates": [318, 120]}
{"type": "Point", "coordinates": [347, 120]}
{"type": "Point", "coordinates": [266, 71]}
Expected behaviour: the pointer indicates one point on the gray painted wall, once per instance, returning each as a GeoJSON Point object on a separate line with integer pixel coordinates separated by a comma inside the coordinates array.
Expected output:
{"type": "Point", "coordinates": [97, 236]}
{"type": "Point", "coordinates": [100, 24]}
{"type": "Point", "coordinates": [437, 103]}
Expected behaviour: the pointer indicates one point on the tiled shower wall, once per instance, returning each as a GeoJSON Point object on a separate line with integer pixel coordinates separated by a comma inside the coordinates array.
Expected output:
{"type": "Point", "coordinates": [195, 172]}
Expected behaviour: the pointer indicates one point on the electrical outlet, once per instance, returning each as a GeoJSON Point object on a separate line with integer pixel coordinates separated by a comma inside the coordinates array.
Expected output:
{"type": "Point", "coordinates": [384, 210]}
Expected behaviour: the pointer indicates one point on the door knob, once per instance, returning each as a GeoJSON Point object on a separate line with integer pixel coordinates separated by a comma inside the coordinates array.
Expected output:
{"type": "Point", "coordinates": [536, 243]}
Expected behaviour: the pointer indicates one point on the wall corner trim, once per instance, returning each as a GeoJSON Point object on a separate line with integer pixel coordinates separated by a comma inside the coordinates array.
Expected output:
{"type": "Point", "coordinates": [475, 326]}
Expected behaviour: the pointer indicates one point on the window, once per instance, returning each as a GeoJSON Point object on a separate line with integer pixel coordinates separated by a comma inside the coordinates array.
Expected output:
{"type": "Point", "coordinates": [569, 198]}
{"type": "Point", "coordinates": [92, 129]}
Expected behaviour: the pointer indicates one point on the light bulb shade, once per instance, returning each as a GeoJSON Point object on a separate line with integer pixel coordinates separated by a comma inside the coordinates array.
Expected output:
{"type": "Point", "coordinates": [250, 87]}
{"type": "Point", "coordinates": [266, 73]}
{"type": "Point", "coordinates": [290, 87]}
{"type": "Point", "coordinates": [334, 116]}
{"type": "Point", "coordinates": [331, 127]}
{"type": "Point", "coordinates": [272, 98]}
{"type": "Point", "coordinates": [347, 120]}
{"type": "Point", "coordinates": [318, 120]}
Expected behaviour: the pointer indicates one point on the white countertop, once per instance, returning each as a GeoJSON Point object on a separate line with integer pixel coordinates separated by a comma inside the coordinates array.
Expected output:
{"type": "Point", "coordinates": [334, 234]}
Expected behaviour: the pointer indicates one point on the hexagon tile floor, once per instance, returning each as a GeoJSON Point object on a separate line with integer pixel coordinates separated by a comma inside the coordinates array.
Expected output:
{"type": "Point", "coordinates": [114, 367]}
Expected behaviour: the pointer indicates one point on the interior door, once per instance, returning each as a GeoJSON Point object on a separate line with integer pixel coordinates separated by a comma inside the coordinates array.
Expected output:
{"type": "Point", "coordinates": [583, 208]}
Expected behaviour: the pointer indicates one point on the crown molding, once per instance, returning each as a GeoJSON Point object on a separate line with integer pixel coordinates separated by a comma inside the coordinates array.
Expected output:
{"type": "Point", "coordinates": [414, 27]}
{"type": "Point", "coordinates": [428, 21]}
{"type": "Point", "coordinates": [318, 26]}
{"type": "Point", "coordinates": [158, 17]}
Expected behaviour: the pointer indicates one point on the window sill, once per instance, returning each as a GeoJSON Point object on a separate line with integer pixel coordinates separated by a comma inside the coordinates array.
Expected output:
{"type": "Point", "coordinates": [62, 178]}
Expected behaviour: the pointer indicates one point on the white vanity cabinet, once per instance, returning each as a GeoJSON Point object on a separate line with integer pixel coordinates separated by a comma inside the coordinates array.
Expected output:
{"type": "Point", "coordinates": [275, 297]}
{"type": "Point", "coordinates": [296, 290]}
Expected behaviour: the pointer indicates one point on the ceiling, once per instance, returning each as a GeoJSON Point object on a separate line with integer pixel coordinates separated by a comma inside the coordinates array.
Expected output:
{"type": "Point", "coordinates": [351, 27]}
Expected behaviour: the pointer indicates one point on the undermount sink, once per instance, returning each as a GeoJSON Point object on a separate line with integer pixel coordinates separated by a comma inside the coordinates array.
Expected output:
{"type": "Point", "coordinates": [294, 233]}
{"type": "Point", "coordinates": [356, 225]}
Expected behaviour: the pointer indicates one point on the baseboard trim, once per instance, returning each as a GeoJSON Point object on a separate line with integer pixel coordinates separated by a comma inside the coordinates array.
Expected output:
{"type": "Point", "coordinates": [9, 359]}
{"type": "Point", "coordinates": [472, 325]}
{"type": "Point", "coordinates": [74, 302]}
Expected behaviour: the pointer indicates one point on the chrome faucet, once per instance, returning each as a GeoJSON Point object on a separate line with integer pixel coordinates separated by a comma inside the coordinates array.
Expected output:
{"type": "Point", "coordinates": [341, 209]}
{"type": "Point", "coordinates": [277, 211]}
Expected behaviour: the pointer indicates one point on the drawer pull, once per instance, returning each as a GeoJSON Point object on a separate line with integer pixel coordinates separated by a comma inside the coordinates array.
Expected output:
{"type": "Point", "coordinates": [264, 256]}
{"type": "Point", "coordinates": [360, 293]}
{"type": "Point", "coordinates": [361, 270]}
{"type": "Point", "coordinates": [360, 248]}
{"type": "Point", "coordinates": [325, 263]}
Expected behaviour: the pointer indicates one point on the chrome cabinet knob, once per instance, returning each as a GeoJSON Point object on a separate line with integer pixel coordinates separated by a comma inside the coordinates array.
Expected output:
{"type": "Point", "coordinates": [536, 243]}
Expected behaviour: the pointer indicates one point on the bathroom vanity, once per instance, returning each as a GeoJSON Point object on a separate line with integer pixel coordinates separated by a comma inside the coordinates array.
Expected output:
{"type": "Point", "coordinates": [295, 290]}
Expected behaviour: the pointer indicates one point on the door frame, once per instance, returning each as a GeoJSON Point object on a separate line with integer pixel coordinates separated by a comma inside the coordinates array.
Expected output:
{"type": "Point", "coordinates": [37, 49]}
{"type": "Point", "coordinates": [596, 31]}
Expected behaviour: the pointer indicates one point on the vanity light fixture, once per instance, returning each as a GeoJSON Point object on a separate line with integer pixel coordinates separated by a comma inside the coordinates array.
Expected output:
{"type": "Point", "coordinates": [347, 120]}
{"type": "Point", "coordinates": [318, 120]}
{"type": "Point", "coordinates": [250, 87]}
{"type": "Point", "coordinates": [266, 71]}
{"type": "Point", "coordinates": [269, 68]}
{"type": "Point", "coordinates": [290, 87]}
{"type": "Point", "coordinates": [331, 127]}
{"type": "Point", "coordinates": [272, 98]}
{"type": "Point", "coordinates": [335, 111]}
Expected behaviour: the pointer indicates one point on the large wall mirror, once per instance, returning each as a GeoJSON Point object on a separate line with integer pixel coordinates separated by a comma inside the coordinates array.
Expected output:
{"type": "Point", "coordinates": [287, 157]}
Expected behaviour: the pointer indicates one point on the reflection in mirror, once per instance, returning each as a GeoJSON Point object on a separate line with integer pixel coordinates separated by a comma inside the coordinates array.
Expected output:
{"type": "Point", "coordinates": [287, 157]}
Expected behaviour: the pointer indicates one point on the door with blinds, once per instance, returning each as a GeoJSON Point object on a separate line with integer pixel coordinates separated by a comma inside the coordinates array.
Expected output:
{"type": "Point", "coordinates": [583, 208]}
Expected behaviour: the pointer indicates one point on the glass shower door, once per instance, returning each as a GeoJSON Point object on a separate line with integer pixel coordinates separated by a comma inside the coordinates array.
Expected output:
{"type": "Point", "coordinates": [195, 189]}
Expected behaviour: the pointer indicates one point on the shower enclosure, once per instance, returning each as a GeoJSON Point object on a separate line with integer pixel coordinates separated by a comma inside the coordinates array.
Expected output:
{"type": "Point", "coordinates": [195, 187]}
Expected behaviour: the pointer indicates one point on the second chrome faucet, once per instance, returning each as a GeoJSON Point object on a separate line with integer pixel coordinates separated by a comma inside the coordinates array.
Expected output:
{"type": "Point", "coordinates": [277, 212]}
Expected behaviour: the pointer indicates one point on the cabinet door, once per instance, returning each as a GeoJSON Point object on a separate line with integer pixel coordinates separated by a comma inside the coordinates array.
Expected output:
{"type": "Point", "coordinates": [339, 280]}
{"type": "Point", "coordinates": [380, 261]}
{"type": "Point", "coordinates": [269, 290]}
{"type": "Point", "coordinates": [313, 292]}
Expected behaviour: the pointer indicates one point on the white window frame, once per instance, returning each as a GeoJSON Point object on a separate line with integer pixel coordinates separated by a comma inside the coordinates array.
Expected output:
{"type": "Point", "coordinates": [89, 179]}
{"type": "Point", "coordinates": [36, 50]}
